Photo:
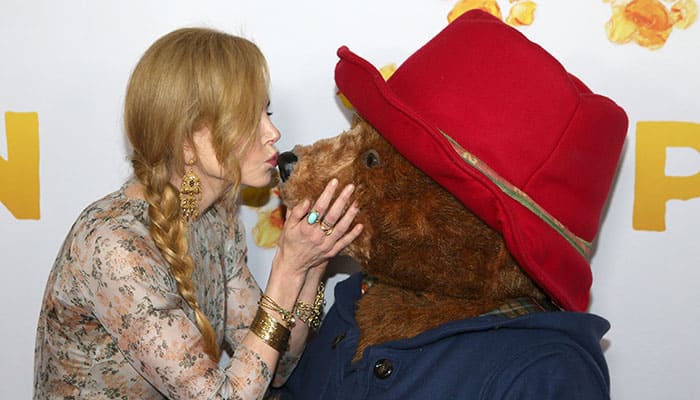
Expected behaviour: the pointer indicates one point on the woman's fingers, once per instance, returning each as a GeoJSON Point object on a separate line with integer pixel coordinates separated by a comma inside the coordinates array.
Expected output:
{"type": "Point", "coordinates": [344, 241]}
{"type": "Point", "coordinates": [298, 212]}
{"type": "Point", "coordinates": [336, 210]}
{"type": "Point", "coordinates": [340, 232]}
{"type": "Point", "coordinates": [320, 207]}
{"type": "Point", "coordinates": [317, 231]}
{"type": "Point", "coordinates": [313, 214]}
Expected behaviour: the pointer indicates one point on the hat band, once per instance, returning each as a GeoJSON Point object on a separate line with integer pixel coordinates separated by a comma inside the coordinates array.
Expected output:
{"type": "Point", "coordinates": [582, 246]}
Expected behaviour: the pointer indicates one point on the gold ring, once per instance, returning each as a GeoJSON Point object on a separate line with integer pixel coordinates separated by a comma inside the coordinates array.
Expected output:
{"type": "Point", "coordinates": [326, 228]}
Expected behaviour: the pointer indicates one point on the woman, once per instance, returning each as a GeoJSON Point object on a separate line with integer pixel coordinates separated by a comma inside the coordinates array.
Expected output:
{"type": "Point", "coordinates": [152, 280]}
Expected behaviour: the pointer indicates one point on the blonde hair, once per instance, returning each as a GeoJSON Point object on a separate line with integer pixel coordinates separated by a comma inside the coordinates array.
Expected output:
{"type": "Point", "coordinates": [187, 79]}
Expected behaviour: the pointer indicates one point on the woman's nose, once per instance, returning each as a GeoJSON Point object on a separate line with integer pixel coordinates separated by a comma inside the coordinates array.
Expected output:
{"type": "Point", "coordinates": [285, 163]}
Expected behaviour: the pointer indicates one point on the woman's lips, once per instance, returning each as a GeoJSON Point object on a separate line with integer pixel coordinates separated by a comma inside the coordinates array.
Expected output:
{"type": "Point", "coordinates": [273, 160]}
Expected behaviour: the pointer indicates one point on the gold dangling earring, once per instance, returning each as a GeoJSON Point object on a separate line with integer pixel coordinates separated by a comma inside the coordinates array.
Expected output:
{"type": "Point", "coordinates": [190, 191]}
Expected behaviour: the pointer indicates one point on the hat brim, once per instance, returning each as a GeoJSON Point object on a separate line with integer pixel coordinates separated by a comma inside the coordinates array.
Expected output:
{"type": "Point", "coordinates": [545, 256]}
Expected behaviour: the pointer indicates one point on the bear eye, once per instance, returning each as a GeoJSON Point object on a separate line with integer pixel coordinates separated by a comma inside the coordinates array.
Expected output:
{"type": "Point", "coordinates": [371, 159]}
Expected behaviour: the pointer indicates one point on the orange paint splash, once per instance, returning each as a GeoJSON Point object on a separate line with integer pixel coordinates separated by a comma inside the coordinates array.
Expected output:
{"type": "Point", "coordinates": [269, 228]}
{"type": "Point", "coordinates": [648, 22]}
{"type": "Point", "coordinates": [520, 13]}
{"type": "Point", "coordinates": [490, 6]}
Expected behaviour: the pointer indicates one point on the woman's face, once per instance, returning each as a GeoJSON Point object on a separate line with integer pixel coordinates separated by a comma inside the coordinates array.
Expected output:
{"type": "Point", "coordinates": [257, 165]}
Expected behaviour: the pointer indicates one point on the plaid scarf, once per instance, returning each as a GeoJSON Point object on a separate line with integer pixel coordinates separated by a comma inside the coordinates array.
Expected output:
{"type": "Point", "coordinates": [510, 309]}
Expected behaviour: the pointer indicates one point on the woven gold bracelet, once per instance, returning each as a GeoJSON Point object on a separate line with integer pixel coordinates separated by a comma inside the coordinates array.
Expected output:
{"type": "Point", "coordinates": [310, 314]}
{"type": "Point", "coordinates": [270, 331]}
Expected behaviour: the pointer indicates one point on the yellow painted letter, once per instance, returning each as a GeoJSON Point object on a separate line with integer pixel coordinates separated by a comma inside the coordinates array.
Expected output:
{"type": "Point", "coordinates": [652, 187]}
{"type": "Point", "coordinates": [19, 174]}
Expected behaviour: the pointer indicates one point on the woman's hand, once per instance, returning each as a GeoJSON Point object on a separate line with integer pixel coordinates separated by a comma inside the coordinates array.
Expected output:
{"type": "Point", "coordinates": [312, 234]}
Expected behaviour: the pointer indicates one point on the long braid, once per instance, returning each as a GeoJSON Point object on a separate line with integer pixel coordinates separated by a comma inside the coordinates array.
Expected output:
{"type": "Point", "coordinates": [190, 78]}
{"type": "Point", "coordinates": [169, 232]}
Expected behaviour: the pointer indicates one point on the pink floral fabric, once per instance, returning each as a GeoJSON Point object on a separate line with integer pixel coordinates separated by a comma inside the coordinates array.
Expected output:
{"type": "Point", "coordinates": [113, 326]}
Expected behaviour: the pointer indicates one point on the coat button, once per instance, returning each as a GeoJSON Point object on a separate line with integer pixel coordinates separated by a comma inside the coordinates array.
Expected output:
{"type": "Point", "coordinates": [337, 340]}
{"type": "Point", "coordinates": [383, 368]}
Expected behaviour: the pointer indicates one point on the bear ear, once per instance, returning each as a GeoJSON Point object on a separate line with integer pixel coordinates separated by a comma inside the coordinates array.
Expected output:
{"type": "Point", "coordinates": [356, 119]}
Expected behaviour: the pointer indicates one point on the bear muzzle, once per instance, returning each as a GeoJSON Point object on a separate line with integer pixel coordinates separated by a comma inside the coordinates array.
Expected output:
{"type": "Point", "coordinates": [285, 164]}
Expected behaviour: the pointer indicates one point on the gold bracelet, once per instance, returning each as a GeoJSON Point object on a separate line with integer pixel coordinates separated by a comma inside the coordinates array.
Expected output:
{"type": "Point", "coordinates": [270, 331]}
{"type": "Point", "coordinates": [310, 314]}
{"type": "Point", "coordinates": [287, 316]}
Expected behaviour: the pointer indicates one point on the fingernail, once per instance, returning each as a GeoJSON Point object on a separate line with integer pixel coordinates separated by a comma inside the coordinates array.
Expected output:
{"type": "Point", "coordinates": [334, 181]}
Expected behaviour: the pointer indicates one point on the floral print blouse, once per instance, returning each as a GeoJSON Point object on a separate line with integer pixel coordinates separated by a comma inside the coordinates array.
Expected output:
{"type": "Point", "coordinates": [113, 325]}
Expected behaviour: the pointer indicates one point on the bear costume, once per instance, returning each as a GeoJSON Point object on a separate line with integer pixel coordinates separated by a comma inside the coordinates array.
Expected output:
{"type": "Point", "coordinates": [481, 169]}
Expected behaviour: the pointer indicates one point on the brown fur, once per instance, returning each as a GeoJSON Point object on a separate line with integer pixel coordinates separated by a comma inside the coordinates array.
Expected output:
{"type": "Point", "coordinates": [434, 260]}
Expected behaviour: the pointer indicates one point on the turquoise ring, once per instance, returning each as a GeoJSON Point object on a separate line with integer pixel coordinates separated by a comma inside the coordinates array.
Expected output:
{"type": "Point", "coordinates": [312, 218]}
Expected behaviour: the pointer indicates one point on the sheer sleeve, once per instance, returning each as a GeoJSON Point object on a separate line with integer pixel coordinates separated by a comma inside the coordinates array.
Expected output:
{"type": "Point", "coordinates": [242, 295]}
{"type": "Point", "coordinates": [136, 301]}
{"type": "Point", "coordinates": [242, 291]}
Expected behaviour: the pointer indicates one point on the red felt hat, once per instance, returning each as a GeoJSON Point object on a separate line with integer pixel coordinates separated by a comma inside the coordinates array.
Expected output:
{"type": "Point", "coordinates": [498, 122]}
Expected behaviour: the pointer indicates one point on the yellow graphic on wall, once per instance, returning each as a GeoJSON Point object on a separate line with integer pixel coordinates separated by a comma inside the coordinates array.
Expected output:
{"type": "Point", "coordinates": [520, 13]}
{"type": "Point", "coordinates": [268, 229]}
{"type": "Point", "coordinates": [648, 22]}
{"type": "Point", "coordinates": [653, 188]}
{"type": "Point", "coordinates": [19, 174]}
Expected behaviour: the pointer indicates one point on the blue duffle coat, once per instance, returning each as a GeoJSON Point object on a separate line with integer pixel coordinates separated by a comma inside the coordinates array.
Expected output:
{"type": "Point", "coordinates": [543, 355]}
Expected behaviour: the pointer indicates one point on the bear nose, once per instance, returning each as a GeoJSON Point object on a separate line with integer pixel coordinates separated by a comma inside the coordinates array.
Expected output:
{"type": "Point", "coordinates": [285, 163]}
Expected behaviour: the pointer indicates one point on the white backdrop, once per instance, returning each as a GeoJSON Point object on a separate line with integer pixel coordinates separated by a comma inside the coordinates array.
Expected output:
{"type": "Point", "coordinates": [69, 62]}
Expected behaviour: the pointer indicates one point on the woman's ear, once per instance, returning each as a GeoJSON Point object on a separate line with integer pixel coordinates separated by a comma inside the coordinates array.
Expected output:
{"type": "Point", "coordinates": [201, 141]}
{"type": "Point", "coordinates": [188, 152]}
